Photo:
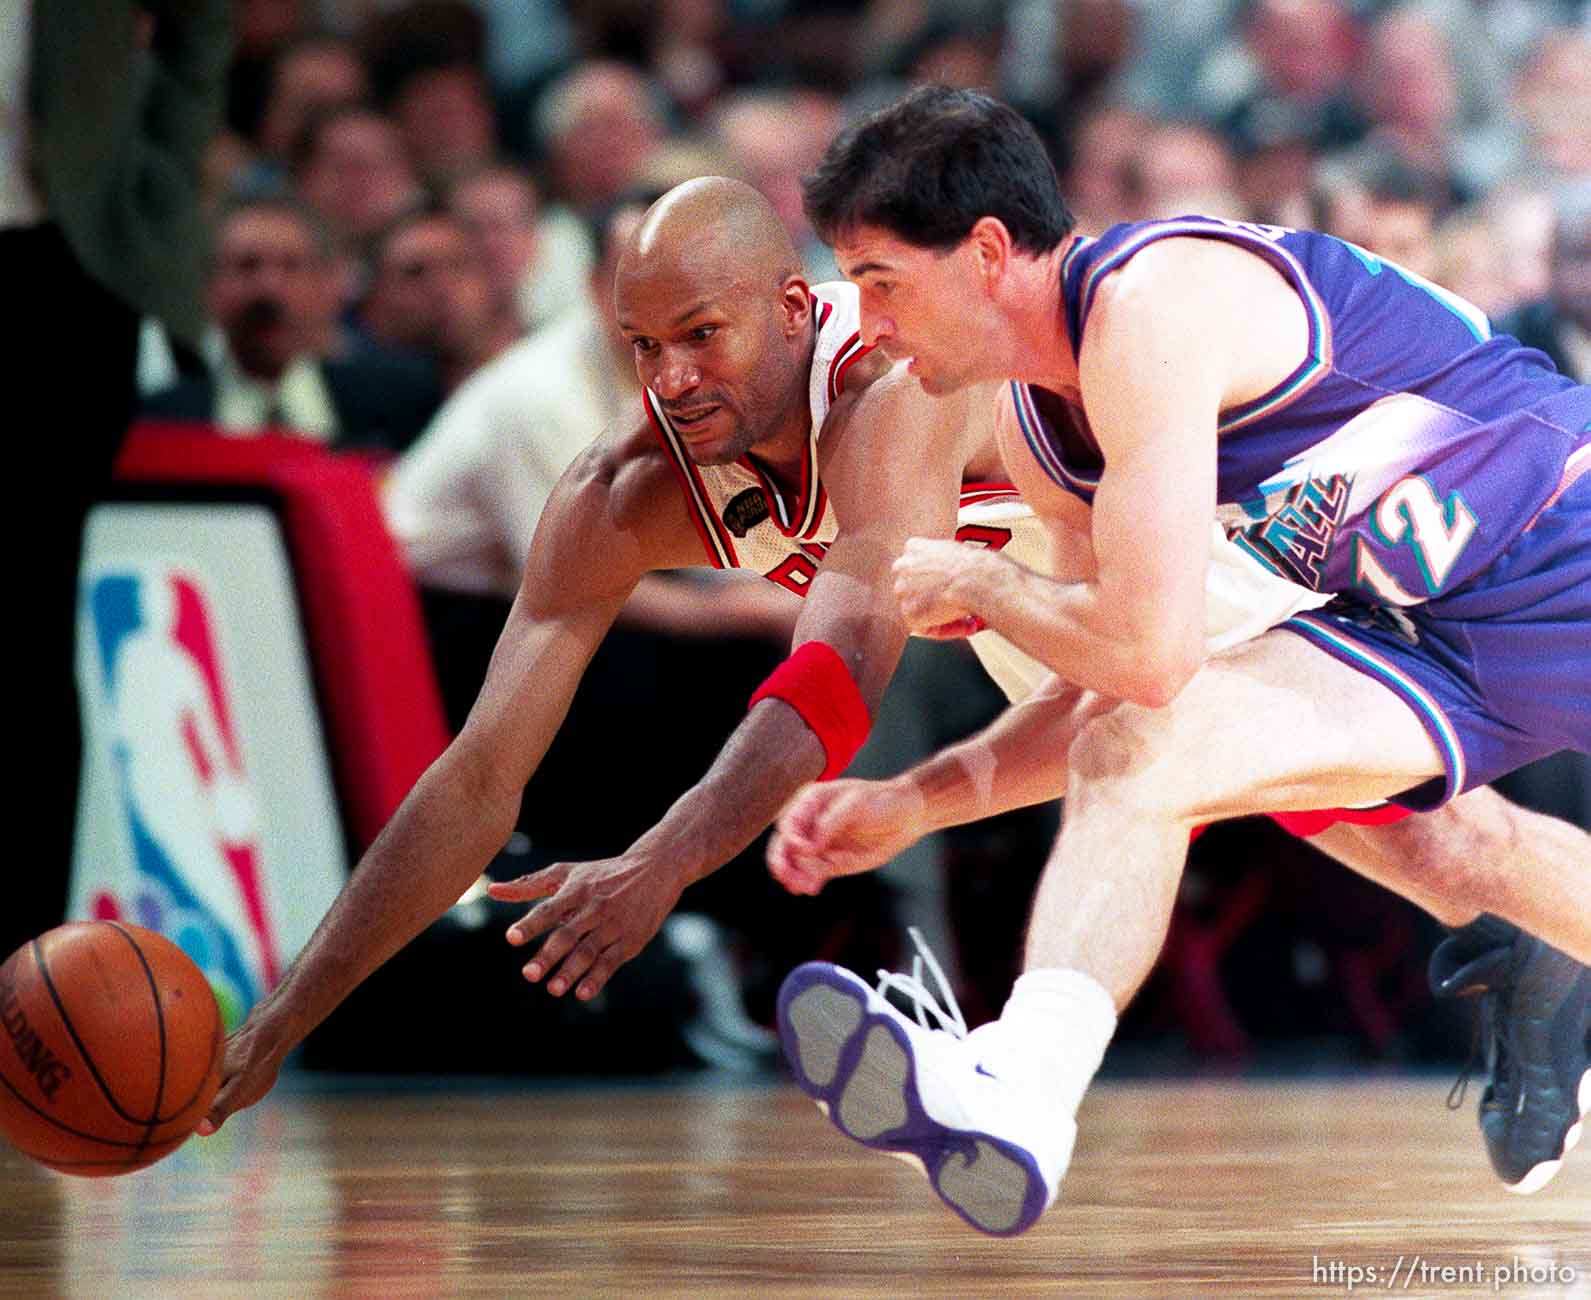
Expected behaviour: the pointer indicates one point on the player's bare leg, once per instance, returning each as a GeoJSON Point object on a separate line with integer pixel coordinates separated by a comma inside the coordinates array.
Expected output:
{"type": "Point", "coordinates": [1479, 853]}
{"type": "Point", "coordinates": [1246, 735]}
{"type": "Point", "coordinates": [1139, 776]}
{"type": "Point", "coordinates": [990, 1114]}
{"type": "Point", "coordinates": [1532, 998]}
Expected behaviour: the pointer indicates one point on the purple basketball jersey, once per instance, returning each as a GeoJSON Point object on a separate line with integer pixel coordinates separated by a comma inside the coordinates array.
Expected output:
{"type": "Point", "coordinates": [1409, 461]}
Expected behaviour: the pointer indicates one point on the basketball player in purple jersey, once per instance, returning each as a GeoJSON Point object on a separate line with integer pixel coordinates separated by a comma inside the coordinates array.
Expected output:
{"type": "Point", "coordinates": [766, 422]}
{"type": "Point", "coordinates": [1356, 430]}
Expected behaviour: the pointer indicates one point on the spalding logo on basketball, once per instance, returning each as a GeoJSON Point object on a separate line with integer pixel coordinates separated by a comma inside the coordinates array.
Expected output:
{"type": "Point", "coordinates": [110, 1048]}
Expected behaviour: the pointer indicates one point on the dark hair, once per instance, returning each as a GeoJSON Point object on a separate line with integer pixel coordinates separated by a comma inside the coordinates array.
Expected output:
{"type": "Point", "coordinates": [1381, 175]}
{"type": "Point", "coordinates": [322, 242]}
{"type": "Point", "coordinates": [927, 167]}
{"type": "Point", "coordinates": [419, 37]}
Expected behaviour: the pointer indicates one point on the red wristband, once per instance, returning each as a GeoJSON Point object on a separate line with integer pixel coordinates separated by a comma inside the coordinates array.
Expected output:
{"type": "Point", "coordinates": [815, 682]}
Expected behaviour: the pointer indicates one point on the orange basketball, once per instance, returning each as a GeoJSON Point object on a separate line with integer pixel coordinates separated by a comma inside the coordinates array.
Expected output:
{"type": "Point", "coordinates": [110, 1047]}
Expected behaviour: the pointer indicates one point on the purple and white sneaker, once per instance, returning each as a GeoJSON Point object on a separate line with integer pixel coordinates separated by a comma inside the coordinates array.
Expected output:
{"type": "Point", "coordinates": [993, 1151]}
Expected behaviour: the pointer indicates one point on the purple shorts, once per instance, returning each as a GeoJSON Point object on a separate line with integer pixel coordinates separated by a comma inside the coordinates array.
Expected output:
{"type": "Point", "coordinates": [1498, 669]}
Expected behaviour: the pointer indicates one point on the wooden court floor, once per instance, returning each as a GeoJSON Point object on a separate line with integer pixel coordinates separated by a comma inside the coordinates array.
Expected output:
{"type": "Point", "coordinates": [1183, 1188]}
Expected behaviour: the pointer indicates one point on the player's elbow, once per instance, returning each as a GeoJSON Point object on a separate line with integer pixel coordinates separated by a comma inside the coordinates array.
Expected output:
{"type": "Point", "coordinates": [1155, 674]}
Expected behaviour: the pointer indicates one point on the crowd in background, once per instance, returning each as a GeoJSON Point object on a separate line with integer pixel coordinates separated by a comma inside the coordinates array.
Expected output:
{"type": "Point", "coordinates": [413, 209]}
{"type": "Point", "coordinates": [402, 190]}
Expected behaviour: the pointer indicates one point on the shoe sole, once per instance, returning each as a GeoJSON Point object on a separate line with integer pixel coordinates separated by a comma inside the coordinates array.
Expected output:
{"type": "Point", "coordinates": [1540, 1175]}
{"type": "Point", "coordinates": [859, 1067]}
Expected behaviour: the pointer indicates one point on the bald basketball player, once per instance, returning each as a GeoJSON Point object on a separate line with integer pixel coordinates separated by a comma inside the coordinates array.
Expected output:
{"type": "Point", "coordinates": [745, 365]}
{"type": "Point", "coordinates": [766, 422]}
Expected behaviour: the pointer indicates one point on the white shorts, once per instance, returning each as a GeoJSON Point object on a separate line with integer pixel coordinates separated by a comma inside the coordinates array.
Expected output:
{"type": "Point", "coordinates": [1242, 598]}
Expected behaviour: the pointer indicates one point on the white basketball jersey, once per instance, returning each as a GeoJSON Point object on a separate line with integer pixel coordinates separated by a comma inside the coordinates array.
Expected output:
{"type": "Point", "coordinates": [743, 520]}
{"type": "Point", "coordinates": [745, 523]}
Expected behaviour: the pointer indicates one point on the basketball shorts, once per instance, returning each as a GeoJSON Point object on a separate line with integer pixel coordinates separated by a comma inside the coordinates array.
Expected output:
{"type": "Point", "coordinates": [1499, 669]}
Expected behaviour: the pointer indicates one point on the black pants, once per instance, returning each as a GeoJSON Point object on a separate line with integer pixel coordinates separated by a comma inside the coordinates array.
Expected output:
{"type": "Point", "coordinates": [70, 391]}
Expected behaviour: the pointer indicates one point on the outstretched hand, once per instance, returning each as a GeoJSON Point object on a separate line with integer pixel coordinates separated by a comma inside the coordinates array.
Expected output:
{"type": "Point", "coordinates": [842, 828]}
{"type": "Point", "coordinates": [249, 1066]}
{"type": "Point", "coordinates": [596, 916]}
{"type": "Point", "coordinates": [927, 575]}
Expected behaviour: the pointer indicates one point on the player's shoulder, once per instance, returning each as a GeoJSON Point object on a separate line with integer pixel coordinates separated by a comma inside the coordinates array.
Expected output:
{"type": "Point", "coordinates": [626, 462]}
{"type": "Point", "coordinates": [892, 427]}
{"type": "Point", "coordinates": [1189, 263]}
{"type": "Point", "coordinates": [625, 482]}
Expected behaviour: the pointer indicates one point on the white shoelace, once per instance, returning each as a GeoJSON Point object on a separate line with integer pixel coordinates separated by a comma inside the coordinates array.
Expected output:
{"type": "Point", "coordinates": [925, 1001]}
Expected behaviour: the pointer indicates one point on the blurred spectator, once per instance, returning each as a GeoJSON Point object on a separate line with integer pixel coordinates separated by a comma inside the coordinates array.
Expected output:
{"type": "Point", "coordinates": [688, 54]}
{"type": "Point", "coordinates": [1468, 262]}
{"type": "Point", "coordinates": [1408, 89]}
{"type": "Point", "coordinates": [448, 121]}
{"type": "Point", "coordinates": [464, 501]}
{"type": "Point", "coordinates": [946, 52]}
{"type": "Point", "coordinates": [1096, 38]}
{"type": "Point", "coordinates": [427, 70]}
{"type": "Point", "coordinates": [1179, 168]}
{"type": "Point", "coordinates": [351, 166]}
{"type": "Point", "coordinates": [1061, 60]}
{"type": "Point", "coordinates": [499, 206]}
{"type": "Point", "coordinates": [687, 45]}
{"type": "Point", "coordinates": [263, 28]}
{"type": "Point", "coordinates": [775, 138]}
{"type": "Point", "coordinates": [309, 77]}
{"type": "Point", "coordinates": [1178, 42]}
{"type": "Point", "coordinates": [1277, 182]}
{"type": "Point", "coordinates": [1495, 252]}
{"type": "Point", "coordinates": [1100, 177]}
{"type": "Point", "coordinates": [1560, 323]}
{"type": "Point", "coordinates": [267, 292]}
{"type": "Point", "coordinates": [1284, 76]}
{"type": "Point", "coordinates": [1382, 203]}
{"type": "Point", "coordinates": [105, 113]}
{"type": "Point", "coordinates": [1486, 136]}
{"type": "Point", "coordinates": [595, 128]}
{"type": "Point", "coordinates": [431, 296]}
{"type": "Point", "coordinates": [1552, 95]}
{"type": "Point", "coordinates": [1520, 216]}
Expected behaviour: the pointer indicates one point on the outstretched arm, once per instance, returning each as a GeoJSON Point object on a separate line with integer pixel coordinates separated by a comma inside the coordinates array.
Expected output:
{"type": "Point", "coordinates": [597, 915]}
{"type": "Point", "coordinates": [463, 809]}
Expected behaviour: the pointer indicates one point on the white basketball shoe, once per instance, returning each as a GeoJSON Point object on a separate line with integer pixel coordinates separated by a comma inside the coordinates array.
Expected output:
{"type": "Point", "coordinates": [993, 1150]}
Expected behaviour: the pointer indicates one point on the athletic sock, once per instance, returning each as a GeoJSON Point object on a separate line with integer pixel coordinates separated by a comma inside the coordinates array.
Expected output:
{"type": "Point", "coordinates": [1052, 1034]}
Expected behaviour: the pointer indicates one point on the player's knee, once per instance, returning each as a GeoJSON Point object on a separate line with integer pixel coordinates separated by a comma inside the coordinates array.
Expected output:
{"type": "Point", "coordinates": [1119, 750]}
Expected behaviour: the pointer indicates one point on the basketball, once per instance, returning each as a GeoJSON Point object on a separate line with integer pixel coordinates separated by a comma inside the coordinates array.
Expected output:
{"type": "Point", "coordinates": [111, 1051]}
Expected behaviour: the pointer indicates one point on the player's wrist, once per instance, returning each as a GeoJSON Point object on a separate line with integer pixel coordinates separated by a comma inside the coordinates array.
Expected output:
{"type": "Point", "coordinates": [279, 1022]}
{"type": "Point", "coordinates": [970, 584]}
{"type": "Point", "coordinates": [920, 798]}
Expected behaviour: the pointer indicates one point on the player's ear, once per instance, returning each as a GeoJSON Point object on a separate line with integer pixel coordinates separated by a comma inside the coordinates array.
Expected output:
{"type": "Point", "coordinates": [795, 306]}
{"type": "Point", "coordinates": [989, 245]}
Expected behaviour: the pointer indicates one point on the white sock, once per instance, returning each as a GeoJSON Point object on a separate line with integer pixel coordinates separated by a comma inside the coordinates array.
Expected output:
{"type": "Point", "coordinates": [1052, 1034]}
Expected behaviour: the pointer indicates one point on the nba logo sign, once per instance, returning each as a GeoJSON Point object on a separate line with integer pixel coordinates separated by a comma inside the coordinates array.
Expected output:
{"type": "Point", "coordinates": [161, 717]}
